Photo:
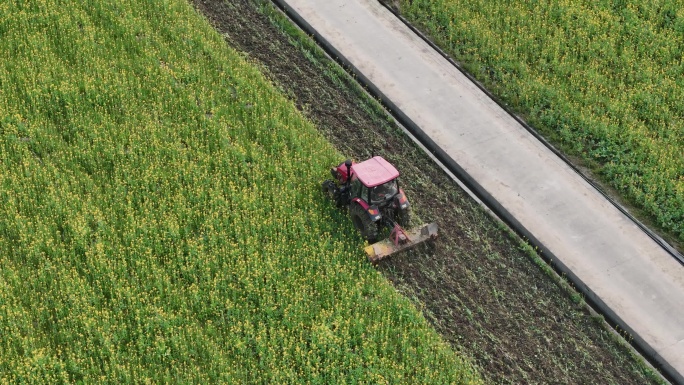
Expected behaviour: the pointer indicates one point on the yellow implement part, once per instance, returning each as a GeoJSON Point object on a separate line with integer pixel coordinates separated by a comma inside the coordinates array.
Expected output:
{"type": "Point", "coordinates": [385, 248]}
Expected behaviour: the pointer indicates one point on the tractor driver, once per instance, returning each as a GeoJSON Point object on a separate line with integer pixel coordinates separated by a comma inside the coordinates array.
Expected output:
{"type": "Point", "coordinates": [383, 192]}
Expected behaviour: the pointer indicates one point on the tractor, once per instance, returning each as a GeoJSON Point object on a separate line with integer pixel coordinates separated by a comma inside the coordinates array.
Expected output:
{"type": "Point", "coordinates": [371, 191]}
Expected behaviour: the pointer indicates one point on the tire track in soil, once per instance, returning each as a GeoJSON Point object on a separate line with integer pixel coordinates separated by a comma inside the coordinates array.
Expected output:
{"type": "Point", "coordinates": [475, 285]}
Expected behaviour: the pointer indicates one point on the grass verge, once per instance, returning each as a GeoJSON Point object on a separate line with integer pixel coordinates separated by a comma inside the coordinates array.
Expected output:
{"type": "Point", "coordinates": [582, 75]}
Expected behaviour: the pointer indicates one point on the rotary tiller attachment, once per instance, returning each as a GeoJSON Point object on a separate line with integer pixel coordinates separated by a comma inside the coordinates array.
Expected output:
{"type": "Point", "coordinates": [399, 240]}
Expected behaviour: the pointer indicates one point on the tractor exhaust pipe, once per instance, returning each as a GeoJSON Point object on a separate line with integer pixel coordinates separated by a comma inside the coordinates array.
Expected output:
{"type": "Point", "coordinates": [348, 163]}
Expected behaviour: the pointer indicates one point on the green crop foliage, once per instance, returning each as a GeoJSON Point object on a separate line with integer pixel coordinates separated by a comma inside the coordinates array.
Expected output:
{"type": "Point", "coordinates": [601, 78]}
{"type": "Point", "coordinates": [161, 219]}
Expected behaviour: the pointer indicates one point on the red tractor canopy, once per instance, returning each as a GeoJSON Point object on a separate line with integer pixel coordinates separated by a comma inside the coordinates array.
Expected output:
{"type": "Point", "coordinates": [374, 171]}
{"type": "Point", "coordinates": [371, 193]}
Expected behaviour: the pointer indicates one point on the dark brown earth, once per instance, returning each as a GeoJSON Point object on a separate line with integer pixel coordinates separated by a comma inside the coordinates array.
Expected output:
{"type": "Point", "coordinates": [486, 295]}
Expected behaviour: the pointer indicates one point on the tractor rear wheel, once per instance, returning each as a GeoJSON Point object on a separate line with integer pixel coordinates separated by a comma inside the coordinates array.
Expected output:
{"type": "Point", "coordinates": [403, 217]}
{"type": "Point", "coordinates": [368, 228]}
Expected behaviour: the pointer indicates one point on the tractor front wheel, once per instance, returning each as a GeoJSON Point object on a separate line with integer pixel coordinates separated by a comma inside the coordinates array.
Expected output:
{"type": "Point", "coordinates": [328, 187]}
{"type": "Point", "coordinates": [368, 228]}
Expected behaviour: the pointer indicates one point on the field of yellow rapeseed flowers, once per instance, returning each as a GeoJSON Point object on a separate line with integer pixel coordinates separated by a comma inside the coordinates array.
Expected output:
{"type": "Point", "coordinates": [160, 218]}
{"type": "Point", "coordinates": [603, 80]}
